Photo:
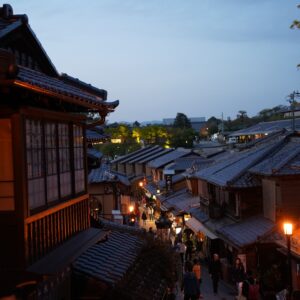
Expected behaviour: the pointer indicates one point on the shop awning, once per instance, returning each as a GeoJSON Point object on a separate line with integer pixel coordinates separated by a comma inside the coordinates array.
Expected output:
{"type": "Point", "coordinates": [197, 226]}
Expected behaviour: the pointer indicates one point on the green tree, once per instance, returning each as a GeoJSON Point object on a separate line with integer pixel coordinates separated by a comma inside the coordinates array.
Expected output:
{"type": "Point", "coordinates": [154, 134]}
{"type": "Point", "coordinates": [121, 131]}
{"type": "Point", "coordinates": [182, 137]}
{"type": "Point", "coordinates": [296, 23]}
{"type": "Point", "coordinates": [212, 125]}
{"type": "Point", "coordinates": [182, 121]}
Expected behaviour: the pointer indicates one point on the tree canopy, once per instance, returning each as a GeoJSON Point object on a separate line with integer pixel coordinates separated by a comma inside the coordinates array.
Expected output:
{"type": "Point", "coordinates": [182, 121]}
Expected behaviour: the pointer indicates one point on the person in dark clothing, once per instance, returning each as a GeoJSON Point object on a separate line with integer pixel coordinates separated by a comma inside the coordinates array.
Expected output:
{"type": "Point", "coordinates": [250, 288]}
{"type": "Point", "coordinates": [144, 217]}
{"type": "Point", "coordinates": [215, 272]}
{"type": "Point", "coordinates": [189, 284]}
{"type": "Point", "coordinates": [238, 275]}
{"type": "Point", "coordinates": [189, 249]}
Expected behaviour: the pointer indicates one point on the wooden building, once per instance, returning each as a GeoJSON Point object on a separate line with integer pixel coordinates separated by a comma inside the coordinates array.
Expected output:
{"type": "Point", "coordinates": [43, 183]}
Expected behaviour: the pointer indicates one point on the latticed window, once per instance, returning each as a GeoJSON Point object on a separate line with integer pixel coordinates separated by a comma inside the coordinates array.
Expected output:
{"type": "Point", "coordinates": [78, 158]}
{"type": "Point", "coordinates": [51, 174]}
{"type": "Point", "coordinates": [51, 161]}
{"type": "Point", "coordinates": [64, 159]}
{"type": "Point", "coordinates": [35, 165]}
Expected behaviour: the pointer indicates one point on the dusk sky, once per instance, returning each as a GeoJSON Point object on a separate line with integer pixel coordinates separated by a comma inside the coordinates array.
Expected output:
{"type": "Point", "coordinates": [160, 57]}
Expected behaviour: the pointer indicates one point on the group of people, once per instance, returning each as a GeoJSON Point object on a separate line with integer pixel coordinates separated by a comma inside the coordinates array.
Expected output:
{"type": "Point", "coordinates": [247, 287]}
{"type": "Point", "coordinates": [148, 213]}
{"type": "Point", "coordinates": [192, 280]}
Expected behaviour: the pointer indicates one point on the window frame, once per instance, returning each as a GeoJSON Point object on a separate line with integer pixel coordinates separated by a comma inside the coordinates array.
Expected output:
{"type": "Point", "coordinates": [70, 122]}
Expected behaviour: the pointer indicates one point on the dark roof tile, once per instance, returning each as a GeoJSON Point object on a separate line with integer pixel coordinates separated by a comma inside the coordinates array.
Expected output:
{"type": "Point", "coordinates": [247, 231]}
{"type": "Point", "coordinates": [109, 260]}
{"type": "Point", "coordinates": [169, 157]}
{"type": "Point", "coordinates": [285, 161]}
{"type": "Point", "coordinates": [57, 86]}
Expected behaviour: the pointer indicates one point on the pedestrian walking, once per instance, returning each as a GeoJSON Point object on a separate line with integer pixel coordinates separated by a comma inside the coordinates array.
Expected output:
{"type": "Point", "coordinates": [197, 272]}
{"type": "Point", "coordinates": [172, 236]}
{"type": "Point", "coordinates": [189, 249]}
{"type": "Point", "coordinates": [151, 213]}
{"type": "Point", "coordinates": [250, 287]}
{"type": "Point", "coordinates": [215, 272]}
{"type": "Point", "coordinates": [144, 217]}
{"type": "Point", "coordinates": [190, 284]}
{"type": "Point", "coordinates": [238, 275]}
{"type": "Point", "coordinates": [181, 248]}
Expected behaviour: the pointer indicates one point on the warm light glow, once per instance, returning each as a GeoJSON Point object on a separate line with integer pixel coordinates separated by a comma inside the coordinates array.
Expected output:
{"type": "Point", "coordinates": [187, 217]}
{"type": "Point", "coordinates": [288, 228]}
{"type": "Point", "coordinates": [116, 141]}
{"type": "Point", "coordinates": [131, 208]}
{"type": "Point", "coordinates": [141, 183]}
{"type": "Point", "coordinates": [158, 191]}
{"type": "Point", "coordinates": [178, 230]}
{"type": "Point", "coordinates": [154, 197]}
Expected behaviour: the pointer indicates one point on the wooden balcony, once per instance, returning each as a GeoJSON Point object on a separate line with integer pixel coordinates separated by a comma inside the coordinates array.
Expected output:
{"type": "Point", "coordinates": [46, 230]}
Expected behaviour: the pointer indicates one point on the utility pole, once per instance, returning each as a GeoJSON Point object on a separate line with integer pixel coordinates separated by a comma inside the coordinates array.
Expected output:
{"type": "Point", "coordinates": [222, 126]}
{"type": "Point", "coordinates": [292, 106]}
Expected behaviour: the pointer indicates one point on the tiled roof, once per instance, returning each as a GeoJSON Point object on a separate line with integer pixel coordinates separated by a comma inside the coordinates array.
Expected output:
{"type": "Point", "coordinates": [215, 224]}
{"type": "Point", "coordinates": [93, 153]}
{"type": "Point", "coordinates": [180, 201]}
{"type": "Point", "coordinates": [62, 256]}
{"type": "Point", "coordinates": [105, 174]}
{"type": "Point", "coordinates": [47, 82]}
{"type": "Point", "coordinates": [184, 163]}
{"type": "Point", "coordinates": [85, 86]}
{"type": "Point", "coordinates": [232, 171]}
{"type": "Point", "coordinates": [199, 214]}
{"type": "Point", "coordinates": [94, 136]}
{"type": "Point", "coordinates": [8, 25]}
{"type": "Point", "coordinates": [130, 155]}
{"type": "Point", "coordinates": [267, 127]}
{"type": "Point", "coordinates": [246, 232]}
{"type": "Point", "coordinates": [146, 155]}
{"type": "Point", "coordinates": [28, 78]}
{"type": "Point", "coordinates": [167, 158]}
{"type": "Point", "coordinates": [154, 156]}
{"type": "Point", "coordinates": [13, 22]}
{"type": "Point", "coordinates": [136, 156]}
{"type": "Point", "coordinates": [286, 161]}
{"type": "Point", "coordinates": [109, 260]}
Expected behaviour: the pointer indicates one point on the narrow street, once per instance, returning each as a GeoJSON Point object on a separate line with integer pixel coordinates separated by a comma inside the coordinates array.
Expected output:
{"type": "Point", "coordinates": [226, 292]}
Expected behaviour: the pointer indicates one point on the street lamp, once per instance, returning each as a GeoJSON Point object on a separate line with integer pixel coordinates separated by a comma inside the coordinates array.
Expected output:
{"type": "Point", "coordinates": [131, 208]}
{"type": "Point", "coordinates": [288, 231]}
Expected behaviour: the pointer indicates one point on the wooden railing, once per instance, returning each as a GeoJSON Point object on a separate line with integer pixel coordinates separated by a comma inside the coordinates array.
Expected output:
{"type": "Point", "coordinates": [46, 230]}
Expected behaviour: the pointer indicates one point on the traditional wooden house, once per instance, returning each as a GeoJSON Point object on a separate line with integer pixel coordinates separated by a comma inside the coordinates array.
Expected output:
{"type": "Point", "coordinates": [119, 164]}
{"type": "Point", "coordinates": [232, 198]}
{"type": "Point", "coordinates": [43, 186]}
{"type": "Point", "coordinates": [109, 191]}
{"type": "Point", "coordinates": [156, 166]}
{"type": "Point", "coordinates": [280, 177]}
